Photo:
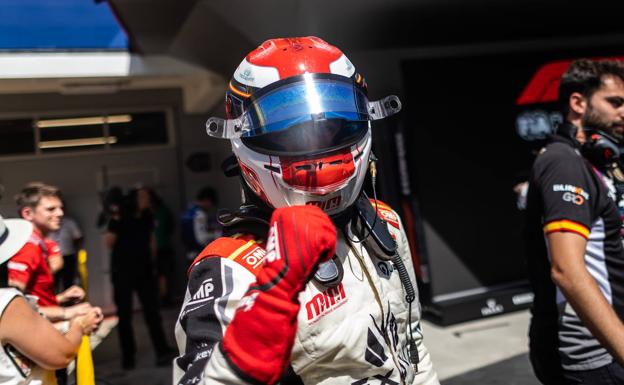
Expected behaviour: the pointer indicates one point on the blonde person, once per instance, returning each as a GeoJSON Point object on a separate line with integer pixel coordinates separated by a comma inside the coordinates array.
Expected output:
{"type": "Point", "coordinates": [31, 347]}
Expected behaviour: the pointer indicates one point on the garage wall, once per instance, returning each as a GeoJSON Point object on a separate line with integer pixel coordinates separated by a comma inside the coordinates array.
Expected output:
{"type": "Point", "coordinates": [193, 139]}
{"type": "Point", "coordinates": [80, 179]}
{"type": "Point", "coordinates": [80, 175]}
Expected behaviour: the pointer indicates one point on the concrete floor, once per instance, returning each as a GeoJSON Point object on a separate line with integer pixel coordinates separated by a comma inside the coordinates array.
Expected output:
{"type": "Point", "coordinates": [484, 352]}
{"type": "Point", "coordinates": [107, 358]}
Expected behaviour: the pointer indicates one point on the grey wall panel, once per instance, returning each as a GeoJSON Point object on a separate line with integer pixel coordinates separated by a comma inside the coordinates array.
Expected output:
{"type": "Point", "coordinates": [79, 177]}
{"type": "Point", "coordinates": [448, 273]}
{"type": "Point", "coordinates": [193, 139]}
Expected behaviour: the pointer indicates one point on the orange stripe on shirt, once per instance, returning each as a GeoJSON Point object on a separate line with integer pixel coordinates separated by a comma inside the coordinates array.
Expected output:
{"type": "Point", "coordinates": [566, 225]}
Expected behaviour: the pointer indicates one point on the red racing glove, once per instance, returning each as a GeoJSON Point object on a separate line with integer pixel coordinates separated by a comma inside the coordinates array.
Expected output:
{"type": "Point", "coordinates": [258, 341]}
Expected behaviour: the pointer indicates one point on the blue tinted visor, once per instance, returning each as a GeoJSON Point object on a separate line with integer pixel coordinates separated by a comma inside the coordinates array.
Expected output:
{"type": "Point", "coordinates": [306, 100]}
{"type": "Point", "coordinates": [311, 102]}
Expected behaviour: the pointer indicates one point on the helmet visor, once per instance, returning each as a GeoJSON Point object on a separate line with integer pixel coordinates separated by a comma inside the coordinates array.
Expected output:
{"type": "Point", "coordinates": [303, 101]}
{"type": "Point", "coordinates": [327, 107]}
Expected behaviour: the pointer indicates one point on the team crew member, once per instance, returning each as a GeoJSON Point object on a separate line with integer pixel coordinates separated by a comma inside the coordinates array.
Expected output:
{"type": "Point", "coordinates": [576, 333]}
{"type": "Point", "coordinates": [29, 269]}
{"type": "Point", "coordinates": [289, 294]}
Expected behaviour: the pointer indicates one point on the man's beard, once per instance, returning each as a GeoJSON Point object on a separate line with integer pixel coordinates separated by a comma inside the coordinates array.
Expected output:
{"type": "Point", "coordinates": [592, 120]}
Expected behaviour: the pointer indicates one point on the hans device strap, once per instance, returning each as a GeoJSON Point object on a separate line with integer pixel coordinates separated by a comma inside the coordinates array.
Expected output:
{"type": "Point", "coordinates": [370, 223]}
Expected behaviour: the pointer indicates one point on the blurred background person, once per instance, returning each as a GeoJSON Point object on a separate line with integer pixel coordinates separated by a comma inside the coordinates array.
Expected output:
{"type": "Point", "coordinates": [163, 230]}
{"type": "Point", "coordinates": [30, 358]}
{"type": "Point", "coordinates": [574, 245]}
{"type": "Point", "coordinates": [130, 237]}
{"type": "Point", "coordinates": [69, 239]}
{"type": "Point", "coordinates": [29, 269]}
{"type": "Point", "coordinates": [199, 223]}
{"type": "Point", "coordinates": [521, 189]}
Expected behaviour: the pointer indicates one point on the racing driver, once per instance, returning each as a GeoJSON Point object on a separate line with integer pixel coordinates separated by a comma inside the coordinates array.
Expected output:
{"type": "Point", "coordinates": [313, 282]}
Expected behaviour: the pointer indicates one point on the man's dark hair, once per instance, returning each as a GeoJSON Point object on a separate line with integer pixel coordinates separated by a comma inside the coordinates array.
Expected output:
{"type": "Point", "coordinates": [585, 76]}
{"type": "Point", "coordinates": [32, 193]}
{"type": "Point", "coordinates": [207, 193]}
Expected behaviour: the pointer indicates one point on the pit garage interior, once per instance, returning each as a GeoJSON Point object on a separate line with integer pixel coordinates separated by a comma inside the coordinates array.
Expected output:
{"type": "Point", "coordinates": [448, 162]}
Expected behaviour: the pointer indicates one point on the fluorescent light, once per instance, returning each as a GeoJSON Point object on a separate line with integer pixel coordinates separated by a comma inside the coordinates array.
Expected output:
{"type": "Point", "coordinates": [86, 121]}
{"type": "Point", "coordinates": [77, 142]}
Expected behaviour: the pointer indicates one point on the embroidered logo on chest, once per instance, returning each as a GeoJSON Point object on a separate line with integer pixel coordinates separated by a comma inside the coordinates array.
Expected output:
{"type": "Point", "coordinates": [325, 302]}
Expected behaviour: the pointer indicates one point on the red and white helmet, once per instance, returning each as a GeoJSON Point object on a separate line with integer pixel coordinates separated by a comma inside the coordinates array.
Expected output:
{"type": "Point", "coordinates": [298, 116]}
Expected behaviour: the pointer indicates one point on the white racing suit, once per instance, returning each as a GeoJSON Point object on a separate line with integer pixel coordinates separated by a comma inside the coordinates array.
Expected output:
{"type": "Point", "coordinates": [355, 333]}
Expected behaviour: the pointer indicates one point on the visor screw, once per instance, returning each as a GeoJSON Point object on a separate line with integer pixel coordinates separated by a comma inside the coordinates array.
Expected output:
{"type": "Point", "coordinates": [391, 104]}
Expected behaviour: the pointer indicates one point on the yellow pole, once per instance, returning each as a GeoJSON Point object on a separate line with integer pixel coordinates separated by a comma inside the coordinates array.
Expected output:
{"type": "Point", "coordinates": [85, 375]}
{"type": "Point", "coordinates": [82, 269]}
